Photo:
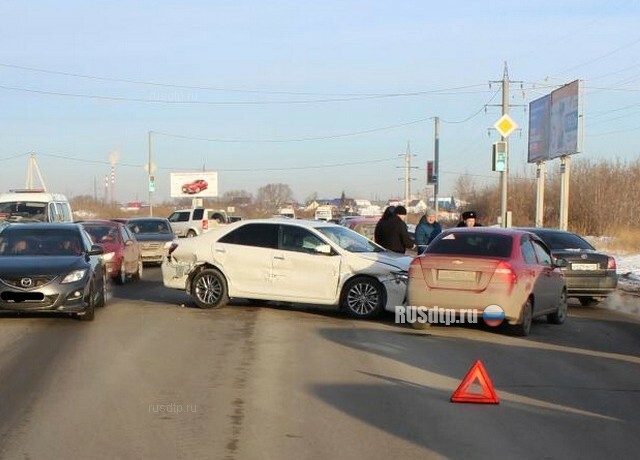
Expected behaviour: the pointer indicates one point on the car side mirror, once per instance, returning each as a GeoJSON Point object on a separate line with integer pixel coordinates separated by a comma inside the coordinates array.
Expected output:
{"type": "Point", "coordinates": [323, 249]}
{"type": "Point", "coordinates": [128, 242]}
{"type": "Point", "coordinates": [95, 250]}
{"type": "Point", "coordinates": [560, 262]}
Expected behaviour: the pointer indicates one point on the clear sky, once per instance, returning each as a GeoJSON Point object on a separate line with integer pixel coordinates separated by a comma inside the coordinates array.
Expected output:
{"type": "Point", "coordinates": [299, 91]}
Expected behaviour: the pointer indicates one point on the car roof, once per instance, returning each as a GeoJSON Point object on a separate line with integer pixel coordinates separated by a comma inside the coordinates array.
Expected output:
{"type": "Point", "coordinates": [111, 223]}
{"type": "Point", "coordinates": [545, 230]}
{"type": "Point", "coordinates": [45, 225]}
{"type": "Point", "coordinates": [308, 223]}
{"type": "Point", "coordinates": [149, 218]}
{"type": "Point", "coordinates": [495, 230]}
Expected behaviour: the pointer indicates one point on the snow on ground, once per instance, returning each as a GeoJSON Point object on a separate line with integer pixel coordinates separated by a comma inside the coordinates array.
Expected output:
{"type": "Point", "coordinates": [628, 271]}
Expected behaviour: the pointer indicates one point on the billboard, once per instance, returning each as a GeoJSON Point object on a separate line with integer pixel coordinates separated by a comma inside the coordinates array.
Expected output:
{"type": "Point", "coordinates": [553, 124]}
{"type": "Point", "coordinates": [194, 184]}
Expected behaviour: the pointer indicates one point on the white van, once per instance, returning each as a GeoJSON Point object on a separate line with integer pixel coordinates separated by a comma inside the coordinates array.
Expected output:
{"type": "Point", "coordinates": [34, 205]}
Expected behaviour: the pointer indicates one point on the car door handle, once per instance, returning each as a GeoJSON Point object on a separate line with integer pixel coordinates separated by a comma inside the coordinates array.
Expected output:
{"type": "Point", "coordinates": [220, 250]}
{"type": "Point", "coordinates": [278, 257]}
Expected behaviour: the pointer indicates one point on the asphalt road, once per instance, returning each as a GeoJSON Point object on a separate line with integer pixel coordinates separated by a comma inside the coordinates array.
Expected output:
{"type": "Point", "coordinates": [153, 379]}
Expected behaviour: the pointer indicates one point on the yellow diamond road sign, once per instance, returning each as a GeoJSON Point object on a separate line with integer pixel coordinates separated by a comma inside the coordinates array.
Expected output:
{"type": "Point", "coordinates": [505, 125]}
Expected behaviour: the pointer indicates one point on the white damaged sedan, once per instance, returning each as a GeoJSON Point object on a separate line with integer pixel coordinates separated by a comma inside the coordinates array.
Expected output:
{"type": "Point", "coordinates": [288, 260]}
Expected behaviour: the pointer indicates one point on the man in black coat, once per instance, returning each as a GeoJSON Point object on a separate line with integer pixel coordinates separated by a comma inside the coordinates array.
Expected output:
{"type": "Point", "coordinates": [391, 231]}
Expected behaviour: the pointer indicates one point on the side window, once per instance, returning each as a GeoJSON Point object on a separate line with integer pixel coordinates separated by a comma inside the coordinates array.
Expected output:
{"type": "Point", "coordinates": [179, 217]}
{"type": "Point", "coordinates": [198, 214]}
{"type": "Point", "coordinates": [259, 235]}
{"type": "Point", "coordinates": [528, 252]}
{"type": "Point", "coordinates": [60, 212]}
{"type": "Point", "coordinates": [544, 258]}
{"type": "Point", "coordinates": [67, 216]}
{"type": "Point", "coordinates": [298, 239]}
{"type": "Point", "coordinates": [53, 213]}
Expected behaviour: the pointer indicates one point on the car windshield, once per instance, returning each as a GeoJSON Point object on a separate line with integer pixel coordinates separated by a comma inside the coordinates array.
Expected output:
{"type": "Point", "coordinates": [149, 226]}
{"type": "Point", "coordinates": [23, 210]}
{"type": "Point", "coordinates": [102, 233]}
{"type": "Point", "coordinates": [40, 242]}
{"type": "Point", "coordinates": [472, 244]}
{"type": "Point", "coordinates": [349, 240]}
{"type": "Point", "coordinates": [561, 240]}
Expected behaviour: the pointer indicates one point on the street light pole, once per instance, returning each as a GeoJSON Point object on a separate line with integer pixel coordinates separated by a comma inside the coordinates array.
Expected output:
{"type": "Point", "coordinates": [149, 174]}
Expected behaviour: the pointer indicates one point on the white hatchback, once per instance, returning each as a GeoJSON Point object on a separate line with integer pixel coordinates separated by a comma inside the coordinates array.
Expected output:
{"type": "Point", "coordinates": [288, 260]}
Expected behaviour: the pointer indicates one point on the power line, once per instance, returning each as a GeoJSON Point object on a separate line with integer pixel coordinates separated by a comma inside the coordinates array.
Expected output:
{"type": "Point", "coordinates": [474, 114]}
{"type": "Point", "coordinates": [13, 157]}
{"type": "Point", "coordinates": [215, 88]}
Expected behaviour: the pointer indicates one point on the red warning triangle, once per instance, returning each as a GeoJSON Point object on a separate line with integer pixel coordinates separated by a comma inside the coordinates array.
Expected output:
{"type": "Point", "coordinates": [488, 395]}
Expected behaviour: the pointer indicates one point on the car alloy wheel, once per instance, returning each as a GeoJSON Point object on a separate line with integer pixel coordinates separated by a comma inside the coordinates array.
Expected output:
{"type": "Point", "coordinates": [209, 289]}
{"type": "Point", "coordinates": [122, 275]}
{"type": "Point", "coordinates": [90, 311]}
{"type": "Point", "coordinates": [524, 327]}
{"type": "Point", "coordinates": [559, 316]}
{"type": "Point", "coordinates": [363, 298]}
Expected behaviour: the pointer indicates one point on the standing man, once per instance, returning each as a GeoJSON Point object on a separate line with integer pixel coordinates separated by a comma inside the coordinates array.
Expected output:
{"type": "Point", "coordinates": [469, 220]}
{"type": "Point", "coordinates": [391, 231]}
{"type": "Point", "coordinates": [426, 230]}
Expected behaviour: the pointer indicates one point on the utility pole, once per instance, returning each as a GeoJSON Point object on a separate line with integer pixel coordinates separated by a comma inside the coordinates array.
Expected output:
{"type": "Point", "coordinates": [505, 215]}
{"type": "Point", "coordinates": [436, 164]}
{"type": "Point", "coordinates": [34, 169]}
{"type": "Point", "coordinates": [407, 175]}
{"type": "Point", "coordinates": [149, 176]}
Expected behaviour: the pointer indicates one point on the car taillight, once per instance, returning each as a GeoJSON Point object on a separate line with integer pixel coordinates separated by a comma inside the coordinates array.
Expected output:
{"type": "Point", "coordinates": [205, 224]}
{"type": "Point", "coordinates": [172, 248]}
{"type": "Point", "coordinates": [505, 272]}
{"type": "Point", "coordinates": [611, 264]}
{"type": "Point", "coordinates": [415, 268]}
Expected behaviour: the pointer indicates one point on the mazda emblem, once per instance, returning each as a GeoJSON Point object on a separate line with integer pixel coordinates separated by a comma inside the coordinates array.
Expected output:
{"type": "Point", "coordinates": [26, 282]}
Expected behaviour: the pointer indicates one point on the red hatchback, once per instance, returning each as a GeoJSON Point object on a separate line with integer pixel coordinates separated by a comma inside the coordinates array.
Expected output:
{"type": "Point", "coordinates": [122, 254]}
{"type": "Point", "coordinates": [511, 271]}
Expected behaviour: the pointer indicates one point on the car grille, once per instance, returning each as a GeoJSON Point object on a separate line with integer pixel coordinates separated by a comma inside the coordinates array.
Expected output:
{"type": "Point", "coordinates": [21, 282]}
{"type": "Point", "coordinates": [151, 245]}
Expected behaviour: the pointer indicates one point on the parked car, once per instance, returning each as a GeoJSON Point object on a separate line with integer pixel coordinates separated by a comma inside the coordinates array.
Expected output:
{"type": "Point", "coordinates": [154, 235]}
{"type": "Point", "coordinates": [364, 225]}
{"type": "Point", "coordinates": [472, 268]}
{"type": "Point", "coordinates": [122, 252]}
{"type": "Point", "coordinates": [51, 268]}
{"type": "Point", "coordinates": [194, 187]}
{"type": "Point", "coordinates": [288, 260]}
{"type": "Point", "coordinates": [195, 221]}
{"type": "Point", "coordinates": [590, 275]}
{"type": "Point", "coordinates": [34, 205]}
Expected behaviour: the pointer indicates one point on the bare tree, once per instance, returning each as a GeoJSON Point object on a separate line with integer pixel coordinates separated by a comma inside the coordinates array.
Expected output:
{"type": "Point", "coordinates": [271, 197]}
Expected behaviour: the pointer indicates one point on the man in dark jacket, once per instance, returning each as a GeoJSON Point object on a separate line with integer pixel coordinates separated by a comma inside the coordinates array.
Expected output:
{"type": "Point", "coordinates": [469, 220]}
{"type": "Point", "coordinates": [426, 230]}
{"type": "Point", "coordinates": [391, 231]}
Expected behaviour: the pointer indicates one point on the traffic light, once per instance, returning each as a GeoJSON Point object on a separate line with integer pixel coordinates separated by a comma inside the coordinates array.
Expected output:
{"type": "Point", "coordinates": [431, 178]}
{"type": "Point", "coordinates": [499, 157]}
{"type": "Point", "coordinates": [152, 183]}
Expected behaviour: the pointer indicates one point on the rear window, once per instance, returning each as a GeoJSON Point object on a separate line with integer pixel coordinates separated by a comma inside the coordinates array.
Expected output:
{"type": "Point", "coordinates": [472, 244]}
{"type": "Point", "coordinates": [561, 240]}
{"type": "Point", "coordinates": [23, 210]}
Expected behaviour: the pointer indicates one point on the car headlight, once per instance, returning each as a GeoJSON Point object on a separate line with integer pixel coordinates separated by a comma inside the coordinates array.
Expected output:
{"type": "Point", "coordinates": [108, 256]}
{"type": "Point", "coordinates": [74, 276]}
{"type": "Point", "coordinates": [400, 277]}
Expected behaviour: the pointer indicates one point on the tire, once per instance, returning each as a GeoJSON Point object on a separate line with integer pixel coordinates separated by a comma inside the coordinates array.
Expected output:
{"type": "Point", "coordinates": [363, 298]}
{"type": "Point", "coordinates": [191, 234]}
{"type": "Point", "coordinates": [138, 274]}
{"type": "Point", "coordinates": [90, 312]}
{"type": "Point", "coordinates": [524, 327]}
{"type": "Point", "coordinates": [560, 315]}
{"type": "Point", "coordinates": [103, 292]}
{"type": "Point", "coordinates": [589, 301]}
{"type": "Point", "coordinates": [122, 275]}
{"type": "Point", "coordinates": [209, 289]}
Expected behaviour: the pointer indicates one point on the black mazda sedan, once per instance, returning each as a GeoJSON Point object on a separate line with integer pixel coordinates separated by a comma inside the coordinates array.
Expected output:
{"type": "Point", "coordinates": [590, 275]}
{"type": "Point", "coordinates": [50, 268]}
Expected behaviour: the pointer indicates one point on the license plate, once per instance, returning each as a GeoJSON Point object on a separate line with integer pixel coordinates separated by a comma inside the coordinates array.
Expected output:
{"type": "Point", "coordinates": [584, 266]}
{"type": "Point", "coordinates": [456, 275]}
